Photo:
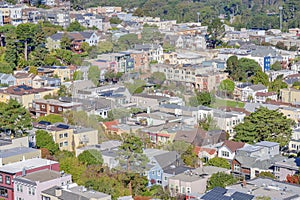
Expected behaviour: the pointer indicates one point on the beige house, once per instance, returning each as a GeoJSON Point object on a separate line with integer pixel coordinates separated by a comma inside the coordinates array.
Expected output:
{"type": "Point", "coordinates": [170, 58]}
{"type": "Point", "coordinates": [63, 73]}
{"type": "Point", "coordinates": [18, 154]}
{"type": "Point", "coordinates": [24, 94]}
{"type": "Point", "coordinates": [85, 137]}
{"type": "Point", "coordinates": [62, 136]}
{"type": "Point", "coordinates": [193, 181]}
{"type": "Point", "coordinates": [290, 95]}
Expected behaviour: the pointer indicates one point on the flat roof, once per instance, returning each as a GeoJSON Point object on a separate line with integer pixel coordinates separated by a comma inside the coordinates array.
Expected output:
{"type": "Point", "coordinates": [40, 176]}
{"type": "Point", "coordinates": [27, 164]}
{"type": "Point", "coordinates": [16, 151]}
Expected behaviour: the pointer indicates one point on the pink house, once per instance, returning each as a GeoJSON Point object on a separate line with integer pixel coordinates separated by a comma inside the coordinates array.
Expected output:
{"type": "Point", "coordinates": [8, 172]}
{"type": "Point", "coordinates": [31, 185]}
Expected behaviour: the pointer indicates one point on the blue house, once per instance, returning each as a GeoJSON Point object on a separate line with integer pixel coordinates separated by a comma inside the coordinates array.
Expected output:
{"type": "Point", "coordinates": [159, 162]}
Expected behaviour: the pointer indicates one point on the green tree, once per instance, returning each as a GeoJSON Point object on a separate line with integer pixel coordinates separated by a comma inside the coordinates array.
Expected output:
{"type": "Point", "coordinates": [189, 157]}
{"type": "Point", "coordinates": [6, 68]}
{"type": "Point", "coordinates": [227, 86]}
{"type": "Point", "coordinates": [65, 42]}
{"type": "Point", "coordinates": [91, 157]}
{"type": "Point", "coordinates": [78, 75]}
{"type": "Point", "coordinates": [75, 26]}
{"type": "Point", "coordinates": [127, 41]}
{"type": "Point", "coordinates": [15, 117]}
{"type": "Point", "coordinates": [105, 47]}
{"type": "Point", "coordinates": [71, 165]}
{"type": "Point", "coordinates": [136, 87]}
{"type": "Point", "coordinates": [52, 118]}
{"type": "Point", "coordinates": [260, 77]}
{"type": "Point", "coordinates": [219, 162]}
{"type": "Point", "coordinates": [220, 179]}
{"type": "Point", "coordinates": [201, 98]}
{"type": "Point", "coordinates": [232, 64]}
{"type": "Point", "coordinates": [208, 124]}
{"type": "Point", "coordinates": [277, 84]}
{"type": "Point", "coordinates": [216, 31]}
{"type": "Point", "coordinates": [265, 125]}
{"type": "Point", "coordinates": [45, 140]}
{"type": "Point", "coordinates": [63, 91]}
{"type": "Point", "coordinates": [115, 20]}
{"type": "Point", "coordinates": [276, 66]}
{"type": "Point", "coordinates": [94, 74]}
{"type": "Point", "coordinates": [33, 70]}
{"type": "Point", "coordinates": [157, 78]}
{"type": "Point", "coordinates": [152, 35]}
{"type": "Point", "coordinates": [267, 175]}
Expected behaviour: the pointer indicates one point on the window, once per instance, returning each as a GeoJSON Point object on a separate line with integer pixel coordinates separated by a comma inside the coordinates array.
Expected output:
{"type": "Point", "coordinates": [65, 143]}
{"type": "Point", "coordinates": [7, 180]}
{"type": "Point", "coordinates": [153, 172]}
{"type": "Point", "coordinates": [18, 187]}
{"type": "Point", "coordinates": [277, 169]}
{"type": "Point", "coordinates": [60, 144]}
{"type": "Point", "coordinates": [21, 188]}
{"type": "Point", "coordinates": [158, 173]}
{"type": "Point", "coordinates": [66, 135]}
{"type": "Point", "coordinates": [225, 153]}
{"type": "Point", "coordinates": [3, 192]}
{"type": "Point", "coordinates": [188, 190]}
{"type": "Point", "coordinates": [166, 178]}
{"type": "Point", "coordinates": [1, 178]}
{"type": "Point", "coordinates": [236, 168]}
{"type": "Point", "coordinates": [182, 190]}
{"type": "Point", "coordinates": [61, 135]}
{"type": "Point", "coordinates": [59, 108]}
{"type": "Point", "coordinates": [43, 106]}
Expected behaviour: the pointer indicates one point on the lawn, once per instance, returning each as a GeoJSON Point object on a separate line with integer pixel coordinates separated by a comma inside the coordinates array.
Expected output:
{"type": "Point", "coordinates": [229, 103]}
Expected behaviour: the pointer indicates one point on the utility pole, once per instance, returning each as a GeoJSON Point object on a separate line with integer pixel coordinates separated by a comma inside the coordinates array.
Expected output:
{"type": "Point", "coordinates": [280, 15]}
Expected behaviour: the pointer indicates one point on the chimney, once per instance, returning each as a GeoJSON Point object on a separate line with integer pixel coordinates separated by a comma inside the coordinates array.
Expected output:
{"type": "Point", "coordinates": [23, 171]}
{"type": "Point", "coordinates": [244, 183]}
{"type": "Point", "coordinates": [58, 191]}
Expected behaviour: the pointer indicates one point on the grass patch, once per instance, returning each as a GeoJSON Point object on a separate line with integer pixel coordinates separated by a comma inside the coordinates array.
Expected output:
{"type": "Point", "coordinates": [221, 102]}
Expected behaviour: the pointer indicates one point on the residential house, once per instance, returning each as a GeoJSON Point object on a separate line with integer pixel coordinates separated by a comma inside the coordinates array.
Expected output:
{"type": "Point", "coordinates": [84, 136]}
{"type": "Point", "coordinates": [170, 58]}
{"type": "Point", "coordinates": [7, 79]}
{"type": "Point", "coordinates": [118, 62]}
{"type": "Point", "coordinates": [53, 41]}
{"type": "Point", "coordinates": [42, 107]}
{"type": "Point", "coordinates": [294, 143]}
{"type": "Point", "coordinates": [253, 159]}
{"type": "Point", "coordinates": [42, 81]}
{"type": "Point", "coordinates": [24, 94]}
{"type": "Point", "coordinates": [17, 154]}
{"type": "Point", "coordinates": [146, 101]}
{"type": "Point", "coordinates": [11, 143]}
{"type": "Point", "coordinates": [221, 194]}
{"type": "Point", "coordinates": [209, 81]}
{"type": "Point", "coordinates": [285, 167]}
{"type": "Point", "coordinates": [206, 152]}
{"type": "Point", "coordinates": [107, 145]}
{"type": "Point", "coordinates": [228, 149]}
{"type": "Point", "coordinates": [30, 186]}
{"type": "Point", "coordinates": [10, 171]}
{"type": "Point", "coordinates": [155, 52]}
{"type": "Point", "coordinates": [266, 187]}
{"type": "Point", "coordinates": [193, 181]}
{"type": "Point", "coordinates": [141, 60]}
{"type": "Point", "coordinates": [261, 97]}
{"type": "Point", "coordinates": [200, 137]}
{"type": "Point", "coordinates": [249, 92]}
{"type": "Point", "coordinates": [290, 95]}
{"type": "Point", "coordinates": [23, 78]}
{"type": "Point", "coordinates": [58, 16]}
{"type": "Point", "coordinates": [74, 193]}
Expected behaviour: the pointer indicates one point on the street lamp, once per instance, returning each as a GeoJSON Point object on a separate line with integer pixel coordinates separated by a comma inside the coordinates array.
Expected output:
{"type": "Point", "coordinates": [198, 14]}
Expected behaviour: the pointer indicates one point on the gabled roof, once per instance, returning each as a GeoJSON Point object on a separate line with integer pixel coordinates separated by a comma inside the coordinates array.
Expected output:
{"type": "Point", "coordinates": [167, 158]}
{"type": "Point", "coordinates": [233, 146]}
{"type": "Point", "coordinates": [258, 87]}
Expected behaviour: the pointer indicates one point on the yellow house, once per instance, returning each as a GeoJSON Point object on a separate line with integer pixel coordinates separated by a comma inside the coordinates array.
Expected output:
{"type": "Point", "coordinates": [62, 136]}
{"type": "Point", "coordinates": [63, 73]}
{"type": "Point", "coordinates": [290, 95]}
{"type": "Point", "coordinates": [24, 94]}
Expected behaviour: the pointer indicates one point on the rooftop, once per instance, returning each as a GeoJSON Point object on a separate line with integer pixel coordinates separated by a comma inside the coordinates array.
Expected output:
{"type": "Point", "coordinates": [40, 176]}
{"type": "Point", "coordinates": [16, 151]}
{"type": "Point", "coordinates": [27, 164]}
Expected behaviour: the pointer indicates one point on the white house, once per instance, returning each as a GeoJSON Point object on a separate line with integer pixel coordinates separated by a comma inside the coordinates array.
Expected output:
{"type": "Point", "coordinates": [249, 92]}
{"type": "Point", "coordinates": [261, 97]}
{"type": "Point", "coordinates": [228, 149]}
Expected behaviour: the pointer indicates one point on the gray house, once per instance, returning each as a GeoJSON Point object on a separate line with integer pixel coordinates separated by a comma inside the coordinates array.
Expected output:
{"type": "Point", "coordinates": [8, 79]}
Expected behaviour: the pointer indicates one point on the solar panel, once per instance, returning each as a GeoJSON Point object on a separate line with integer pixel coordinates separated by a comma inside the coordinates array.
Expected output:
{"type": "Point", "coordinates": [17, 89]}
{"type": "Point", "coordinates": [63, 126]}
{"type": "Point", "coordinates": [44, 123]}
{"type": "Point", "coordinates": [241, 196]}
